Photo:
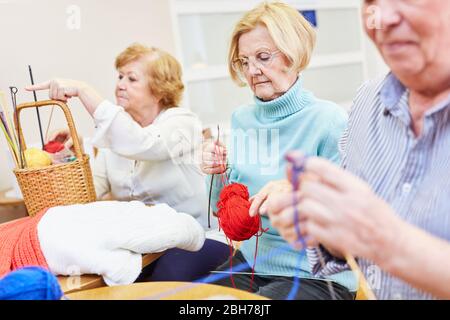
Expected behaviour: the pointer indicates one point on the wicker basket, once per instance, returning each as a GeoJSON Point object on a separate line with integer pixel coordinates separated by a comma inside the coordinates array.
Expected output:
{"type": "Point", "coordinates": [60, 184]}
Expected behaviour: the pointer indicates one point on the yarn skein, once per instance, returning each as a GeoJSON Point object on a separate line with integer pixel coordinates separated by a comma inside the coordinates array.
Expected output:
{"type": "Point", "coordinates": [36, 158]}
{"type": "Point", "coordinates": [30, 283]}
{"type": "Point", "coordinates": [233, 213]}
{"type": "Point", "coordinates": [235, 220]}
{"type": "Point", "coordinates": [53, 146]}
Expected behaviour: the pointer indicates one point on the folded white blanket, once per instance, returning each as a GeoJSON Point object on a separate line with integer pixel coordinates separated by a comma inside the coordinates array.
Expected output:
{"type": "Point", "coordinates": [108, 238]}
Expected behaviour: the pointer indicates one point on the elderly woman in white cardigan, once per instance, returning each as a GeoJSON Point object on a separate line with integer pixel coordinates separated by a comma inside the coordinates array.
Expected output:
{"type": "Point", "coordinates": [146, 143]}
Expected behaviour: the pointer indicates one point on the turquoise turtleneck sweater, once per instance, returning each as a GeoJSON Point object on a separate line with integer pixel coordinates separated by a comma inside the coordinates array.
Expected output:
{"type": "Point", "coordinates": [261, 135]}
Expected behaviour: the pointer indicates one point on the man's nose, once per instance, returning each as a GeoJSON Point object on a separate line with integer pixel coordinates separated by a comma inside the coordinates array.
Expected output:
{"type": "Point", "coordinates": [388, 13]}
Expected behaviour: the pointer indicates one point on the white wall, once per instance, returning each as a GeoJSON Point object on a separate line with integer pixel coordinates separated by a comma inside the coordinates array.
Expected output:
{"type": "Point", "coordinates": [38, 32]}
{"type": "Point", "coordinates": [375, 64]}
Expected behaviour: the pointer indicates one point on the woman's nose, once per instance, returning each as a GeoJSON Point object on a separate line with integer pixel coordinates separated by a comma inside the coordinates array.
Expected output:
{"type": "Point", "coordinates": [121, 84]}
{"type": "Point", "coordinates": [253, 69]}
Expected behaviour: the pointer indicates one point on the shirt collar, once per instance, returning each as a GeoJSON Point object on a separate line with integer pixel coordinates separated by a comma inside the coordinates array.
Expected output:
{"type": "Point", "coordinates": [393, 91]}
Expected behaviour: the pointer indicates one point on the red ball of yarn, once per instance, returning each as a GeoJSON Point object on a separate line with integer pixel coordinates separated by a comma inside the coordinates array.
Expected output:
{"type": "Point", "coordinates": [234, 218]}
{"type": "Point", "coordinates": [53, 146]}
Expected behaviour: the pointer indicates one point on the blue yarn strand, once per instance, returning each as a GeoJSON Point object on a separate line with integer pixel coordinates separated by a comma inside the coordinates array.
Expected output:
{"type": "Point", "coordinates": [297, 170]}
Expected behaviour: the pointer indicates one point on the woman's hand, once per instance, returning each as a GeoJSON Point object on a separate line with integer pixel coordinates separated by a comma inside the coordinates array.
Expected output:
{"type": "Point", "coordinates": [64, 89]}
{"type": "Point", "coordinates": [60, 89]}
{"type": "Point", "coordinates": [337, 210]}
{"type": "Point", "coordinates": [214, 157]}
{"type": "Point", "coordinates": [260, 200]}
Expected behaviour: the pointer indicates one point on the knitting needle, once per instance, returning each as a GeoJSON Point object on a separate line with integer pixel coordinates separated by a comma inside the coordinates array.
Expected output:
{"type": "Point", "coordinates": [8, 124]}
{"type": "Point", "coordinates": [16, 118]}
{"type": "Point", "coordinates": [37, 109]}
{"type": "Point", "coordinates": [4, 123]}
{"type": "Point", "coordinates": [211, 185]}
{"type": "Point", "coordinates": [8, 118]}
{"type": "Point", "coordinates": [8, 138]}
{"type": "Point", "coordinates": [209, 201]}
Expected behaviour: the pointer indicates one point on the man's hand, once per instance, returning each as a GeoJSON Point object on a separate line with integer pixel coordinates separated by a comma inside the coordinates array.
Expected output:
{"type": "Point", "coordinates": [336, 209]}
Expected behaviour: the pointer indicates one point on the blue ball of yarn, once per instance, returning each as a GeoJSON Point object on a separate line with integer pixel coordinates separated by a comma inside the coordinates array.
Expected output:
{"type": "Point", "coordinates": [30, 283]}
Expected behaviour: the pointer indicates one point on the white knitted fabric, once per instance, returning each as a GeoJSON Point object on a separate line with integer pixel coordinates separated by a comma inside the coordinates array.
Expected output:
{"type": "Point", "coordinates": [108, 238]}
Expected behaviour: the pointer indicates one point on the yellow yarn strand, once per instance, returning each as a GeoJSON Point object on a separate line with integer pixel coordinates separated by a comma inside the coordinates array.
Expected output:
{"type": "Point", "coordinates": [11, 146]}
{"type": "Point", "coordinates": [362, 281]}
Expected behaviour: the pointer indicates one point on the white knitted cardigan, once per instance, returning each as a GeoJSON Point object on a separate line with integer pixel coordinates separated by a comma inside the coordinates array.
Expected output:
{"type": "Point", "coordinates": [108, 238]}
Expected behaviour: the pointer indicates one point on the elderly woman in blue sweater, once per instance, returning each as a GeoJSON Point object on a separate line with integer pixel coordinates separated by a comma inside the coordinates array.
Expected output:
{"type": "Point", "coordinates": [270, 46]}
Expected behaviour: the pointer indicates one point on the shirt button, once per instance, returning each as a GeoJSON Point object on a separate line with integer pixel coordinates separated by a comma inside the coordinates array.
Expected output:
{"type": "Point", "coordinates": [406, 188]}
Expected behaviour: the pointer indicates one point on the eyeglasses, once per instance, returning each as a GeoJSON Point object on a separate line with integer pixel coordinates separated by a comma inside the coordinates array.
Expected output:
{"type": "Point", "coordinates": [263, 57]}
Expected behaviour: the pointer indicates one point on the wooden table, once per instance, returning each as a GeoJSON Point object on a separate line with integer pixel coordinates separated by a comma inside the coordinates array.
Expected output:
{"type": "Point", "coordinates": [11, 208]}
{"type": "Point", "coordinates": [70, 284]}
{"type": "Point", "coordinates": [164, 290]}
{"type": "Point", "coordinates": [4, 200]}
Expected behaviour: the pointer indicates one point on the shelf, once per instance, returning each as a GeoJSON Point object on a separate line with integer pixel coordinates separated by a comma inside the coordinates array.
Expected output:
{"type": "Point", "coordinates": [204, 72]}
{"type": "Point", "coordinates": [187, 7]}
{"type": "Point", "coordinates": [203, 29]}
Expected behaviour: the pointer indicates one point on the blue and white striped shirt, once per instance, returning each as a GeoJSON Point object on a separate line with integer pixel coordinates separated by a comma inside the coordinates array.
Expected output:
{"type": "Point", "coordinates": [411, 173]}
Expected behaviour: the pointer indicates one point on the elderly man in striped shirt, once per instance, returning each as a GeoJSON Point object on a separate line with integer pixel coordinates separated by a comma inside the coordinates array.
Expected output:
{"type": "Point", "coordinates": [389, 204]}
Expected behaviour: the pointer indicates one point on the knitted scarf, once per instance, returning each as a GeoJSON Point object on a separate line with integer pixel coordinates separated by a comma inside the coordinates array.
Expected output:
{"type": "Point", "coordinates": [19, 244]}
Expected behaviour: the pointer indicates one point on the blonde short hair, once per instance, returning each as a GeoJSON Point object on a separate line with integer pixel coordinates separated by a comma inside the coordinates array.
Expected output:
{"type": "Point", "coordinates": [163, 70]}
{"type": "Point", "coordinates": [292, 33]}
